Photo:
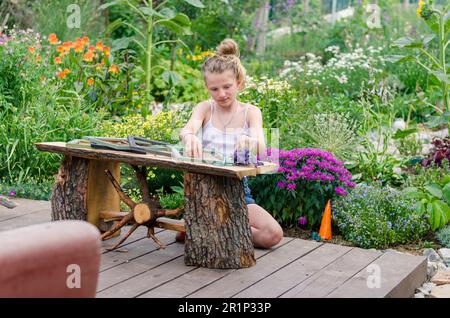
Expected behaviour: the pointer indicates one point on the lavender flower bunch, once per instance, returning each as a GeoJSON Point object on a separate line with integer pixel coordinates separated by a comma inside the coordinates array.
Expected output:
{"type": "Point", "coordinates": [313, 167]}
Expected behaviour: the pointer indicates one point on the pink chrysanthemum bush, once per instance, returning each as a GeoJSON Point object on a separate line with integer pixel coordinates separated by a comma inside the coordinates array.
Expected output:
{"type": "Point", "coordinates": [306, 179]}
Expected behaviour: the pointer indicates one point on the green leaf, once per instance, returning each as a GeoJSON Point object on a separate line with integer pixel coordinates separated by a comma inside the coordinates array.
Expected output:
{"type": "Point", "coordinates": [113, 26]}
{"type": "Point", "coordinates": [120, 44]}
{"type": "Point", "coordinates": [446, 192]}
{"type": "Point", "coordinates": [78, 86]}
{"type": "Point", "coordinates": [439, 214]}
{"type": "Point", "coordinates": [398, 58]}
{"type": "Point", "coordinates": [428, 38]}
{"type": "Point", "coordinates": [400, 134]}
{"type": "Point", "coordinates": [442, 77]}
{"type": "Point", "coordinates": [175, 27]}
{"type": "Point", "coordinates": [171, 77]}
{"type": "Point", "coordinates": [195, 3]}
{"type": "Point", "coordinates": [107, 5]}
{"type": "Point", "coordinates": [182, 19]}
{"type": "Point", "coordinates": [434, 190]}
{"type": "Point", "coordinates": [151, 12]}
{"type": "Point", "coordinates": [407, 42]}
{"type": "Point", "coordinates": [167, 13]}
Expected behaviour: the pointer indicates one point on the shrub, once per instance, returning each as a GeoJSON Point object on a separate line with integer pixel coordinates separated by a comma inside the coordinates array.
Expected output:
{"type": "Point", "coordinates": [375, 217]}
{"type": "Point", "coordinates": [443, 236]}
{"type": "Point", "coordinates": [439, 153]}
{"type": "Point", "coordinates": [307, 178]}
{"type": "Point", "coordinates": [332, 132]}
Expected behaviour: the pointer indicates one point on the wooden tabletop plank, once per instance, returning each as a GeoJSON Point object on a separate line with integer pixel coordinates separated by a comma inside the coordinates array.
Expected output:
{"type": "Point", "coordinates": [294, 273]}
{"type": "Point", "coordinates": [156, 161]}
{"type": "Point", "coordinates": [399, 276]}
{"type": "Point", "coordinates": [192, 281]}
{"type": "Point", "coordinates": [267, 265]}
{"type": "Point", "coordinates": [335, 274]}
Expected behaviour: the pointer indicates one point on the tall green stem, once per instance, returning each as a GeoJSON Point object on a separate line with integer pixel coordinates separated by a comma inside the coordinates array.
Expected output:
{"type": "Point", "coordinates": [148, 57]}
{"type": "Point", "coordinates": [442, 60]}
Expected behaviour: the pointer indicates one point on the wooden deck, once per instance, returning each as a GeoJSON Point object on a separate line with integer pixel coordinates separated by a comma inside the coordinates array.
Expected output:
{"type": "Point", "coordinates": [293, 269]}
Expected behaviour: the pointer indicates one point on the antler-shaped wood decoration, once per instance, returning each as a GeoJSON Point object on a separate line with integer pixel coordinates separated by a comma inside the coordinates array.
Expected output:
{"type": "Point", "coordinates": [147, 213]}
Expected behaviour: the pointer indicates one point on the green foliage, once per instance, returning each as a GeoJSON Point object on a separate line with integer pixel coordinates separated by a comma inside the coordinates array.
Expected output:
{"type": "Point", "coordinates": [443, 236]}
{"type": "Point", "coordinates": [32, 110]}
{"type": "Point", "coordinates": [433, 199]}
{"type": "Point", "coordinates": [63, 18]}
{"type": "Point", "coordinates": [281, 107]}
{"type": "Point", "coordinates": [375, 217]}
{"type": "Point", "coordinates": [163, 126]}
{"type": "Point", "coordinates": [29, 188]}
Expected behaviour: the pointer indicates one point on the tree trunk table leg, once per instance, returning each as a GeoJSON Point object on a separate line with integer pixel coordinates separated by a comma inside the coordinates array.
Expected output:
{"type": "Point", "coordinates": [82, 190]}
{"type": "Point", "coordinates": [218, 233]}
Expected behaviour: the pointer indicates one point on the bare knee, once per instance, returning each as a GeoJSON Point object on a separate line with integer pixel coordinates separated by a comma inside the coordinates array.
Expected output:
{"type": "Point", "coordinates": [270, 236]}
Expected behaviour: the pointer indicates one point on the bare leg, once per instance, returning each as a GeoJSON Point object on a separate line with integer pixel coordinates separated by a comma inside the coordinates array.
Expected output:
{"type": "Point", "coordinates": [266, 232]}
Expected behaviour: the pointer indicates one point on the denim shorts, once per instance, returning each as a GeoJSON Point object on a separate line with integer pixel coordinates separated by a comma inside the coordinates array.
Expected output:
{"type": "Point", "coordinates": [248, 195]}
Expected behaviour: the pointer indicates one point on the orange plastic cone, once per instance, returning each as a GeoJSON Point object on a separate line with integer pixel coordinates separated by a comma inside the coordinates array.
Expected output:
{"type": "Point", "coordinates": [325, 226]}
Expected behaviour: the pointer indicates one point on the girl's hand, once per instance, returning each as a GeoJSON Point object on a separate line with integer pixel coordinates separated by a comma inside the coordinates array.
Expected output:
{"type": "Point", "coordinates": [193, 146]}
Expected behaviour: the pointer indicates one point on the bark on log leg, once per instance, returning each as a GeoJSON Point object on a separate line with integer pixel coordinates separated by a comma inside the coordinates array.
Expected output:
{"type": "Point", "coordinates": [218, 233]}
{"type": "Point", "coordinates": [82, 190]}
{"type": "Point", "coordinates": [69, 192]}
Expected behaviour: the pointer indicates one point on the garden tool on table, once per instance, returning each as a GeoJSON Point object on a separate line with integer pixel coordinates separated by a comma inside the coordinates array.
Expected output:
{"type": "Point", "coordinates": [141, 145]}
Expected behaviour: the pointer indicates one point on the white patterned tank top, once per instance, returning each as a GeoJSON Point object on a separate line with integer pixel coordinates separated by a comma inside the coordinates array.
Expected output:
{"type": "Point", "coordinates": [220, 142]}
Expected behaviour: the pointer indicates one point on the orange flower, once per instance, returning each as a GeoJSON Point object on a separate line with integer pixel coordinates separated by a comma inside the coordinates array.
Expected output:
{"type": "Point", "coordinates": [31, 49]}
{"type": "Point", "coordinates": [63, 73]}
{"type": "Point", "coordinates": [68, 45]}
{"type": "Point", "coordinates": [90, 82]}
{"type": "Point", "coordinates": [113, 69]}
{"type": "Point", "coordinates": [85, 40]}
{"type": "Point", "coordinates": [91, 48]}
{"type": "Point", "coordinates": [53, 39]}
{"type": "Point", "coordinates": [99, 46]}
{"type": "Point", "coordinates": [38, 59]}
{"type": "Point", "coordinates": [78, 47]}
{"type": "Point", "coordinates": [106, 51]}
{"type": "Point", "coordinates": [57, 60]}
{"type": "Point", "coordinates": [88, 56]}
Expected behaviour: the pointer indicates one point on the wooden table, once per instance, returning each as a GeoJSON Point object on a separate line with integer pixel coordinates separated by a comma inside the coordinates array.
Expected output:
{"type": "Point", "coordinates": [218, 233]}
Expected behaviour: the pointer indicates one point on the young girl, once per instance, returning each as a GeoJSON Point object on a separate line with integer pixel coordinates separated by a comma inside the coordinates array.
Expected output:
{"type": "Point", "coordinates": [223, 125]}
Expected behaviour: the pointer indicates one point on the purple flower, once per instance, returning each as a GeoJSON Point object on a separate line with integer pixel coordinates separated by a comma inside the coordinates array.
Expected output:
{"type": "Point", "coordinates": [302, 220]}
{"type": "Point", "coordinates": [12, 193]}
{"type": "Point", "coordinates": [281, 185]}
{"type": "Point", "coordinates": [340, 191]}
{"type": "Point", "coordinates": [291, 186]}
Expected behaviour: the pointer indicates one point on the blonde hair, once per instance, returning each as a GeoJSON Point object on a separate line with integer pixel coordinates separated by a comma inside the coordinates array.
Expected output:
{"type": "Point", "coordinates": [226, 58]}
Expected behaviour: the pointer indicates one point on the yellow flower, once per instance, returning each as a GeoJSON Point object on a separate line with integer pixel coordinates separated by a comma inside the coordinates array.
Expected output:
{"type": "Point", "coordinates": [419, 9]}
{"type": "Point", "coordinates": [113, 69]}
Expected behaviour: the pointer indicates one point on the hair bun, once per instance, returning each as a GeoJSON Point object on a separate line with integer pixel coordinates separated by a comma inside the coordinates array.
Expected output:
{"type": "Point", "coordinates": [228, 47]}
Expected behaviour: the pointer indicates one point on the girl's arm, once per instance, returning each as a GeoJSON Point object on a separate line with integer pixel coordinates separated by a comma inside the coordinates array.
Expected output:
{"type": "Point", "coordinates": [189, 132]}
{"type": "Point", "coordinates": [256, 138]}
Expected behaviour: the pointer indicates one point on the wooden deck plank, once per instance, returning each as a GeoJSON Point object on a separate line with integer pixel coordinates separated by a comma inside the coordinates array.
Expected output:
{"type": "Point", "coordinates": [333, 275]}
{"type": "Point", "coordinates": [135, 249]}
{"type": "Point", "coordinates": [24, 207]}
{"type": "Point", "coordinates": [399, 275]}
{"type": "Point", "coordinates": [138, 285]}
{"type": "Point", "coordinates": [194, 280]}
{"type": "Point", "coordinates": [139, 234]}
{"type": "Point", "coordinates": [126, 271]}
{"type": "Point", "coordinates": [25, 220]}
{"type": "Point", "coordinates": [292, 274]}
{"type": "Point", "coordinates": [270, 263]}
